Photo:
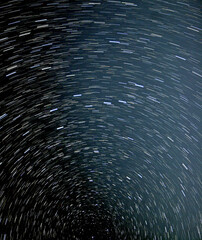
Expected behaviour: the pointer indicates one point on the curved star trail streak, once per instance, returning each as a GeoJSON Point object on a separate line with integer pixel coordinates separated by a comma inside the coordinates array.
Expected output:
{"type": "Point", "coordinates": [100, 105]}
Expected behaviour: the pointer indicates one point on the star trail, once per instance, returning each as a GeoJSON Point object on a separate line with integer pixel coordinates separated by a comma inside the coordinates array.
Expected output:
{"type": "Point", "coordinates": [100, 109]}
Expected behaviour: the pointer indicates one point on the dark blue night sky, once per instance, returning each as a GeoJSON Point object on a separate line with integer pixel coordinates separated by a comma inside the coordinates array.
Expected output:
{"type": "Point", "coordinates": [100, 110]}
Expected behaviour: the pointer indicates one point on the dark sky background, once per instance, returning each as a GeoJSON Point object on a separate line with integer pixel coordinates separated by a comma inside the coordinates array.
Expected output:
{"type": "Point", "coordinates": [100, 105]}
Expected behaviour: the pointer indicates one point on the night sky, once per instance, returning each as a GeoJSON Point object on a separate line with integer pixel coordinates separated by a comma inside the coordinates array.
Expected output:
{"type": "Point", "coordinates": [100, 133]}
